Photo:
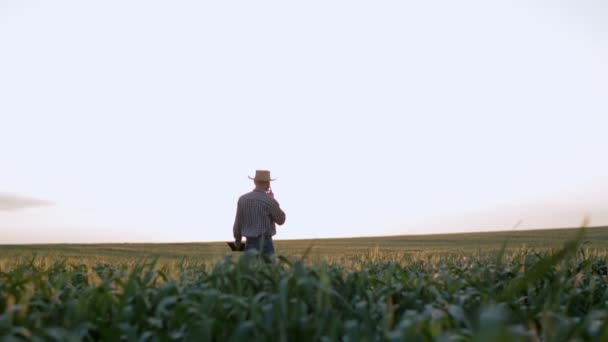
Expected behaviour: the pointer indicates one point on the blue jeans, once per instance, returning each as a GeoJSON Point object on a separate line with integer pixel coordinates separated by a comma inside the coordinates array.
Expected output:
{"type": "Point", "coordinates": [256, 243]}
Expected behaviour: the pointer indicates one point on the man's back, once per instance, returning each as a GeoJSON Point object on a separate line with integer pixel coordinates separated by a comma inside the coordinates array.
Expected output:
{"type": "Point", "coordinates": [257, 213]}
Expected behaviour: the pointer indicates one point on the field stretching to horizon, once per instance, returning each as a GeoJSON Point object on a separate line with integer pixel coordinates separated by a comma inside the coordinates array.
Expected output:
{"type": "Point", "coordinates": [596, 239]}
{"type": "Point", "coordinates": [538, 285]}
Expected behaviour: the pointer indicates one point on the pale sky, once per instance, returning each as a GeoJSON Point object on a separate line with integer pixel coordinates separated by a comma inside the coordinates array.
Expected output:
{"type": "Point", "coordinates": [125, 121]}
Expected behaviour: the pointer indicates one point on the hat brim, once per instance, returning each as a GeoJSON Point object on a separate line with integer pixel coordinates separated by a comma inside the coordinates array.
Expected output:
{"type": "Point", "coordinates": [270, 180]}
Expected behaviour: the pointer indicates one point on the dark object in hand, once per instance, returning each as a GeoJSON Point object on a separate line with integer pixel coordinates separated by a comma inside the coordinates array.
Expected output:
{"type": "Point", "coordinates": [234, 248]}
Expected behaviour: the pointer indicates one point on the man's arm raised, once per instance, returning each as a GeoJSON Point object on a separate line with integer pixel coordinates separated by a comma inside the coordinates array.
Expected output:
{"type": "Point", "coordinates": [278, 215]}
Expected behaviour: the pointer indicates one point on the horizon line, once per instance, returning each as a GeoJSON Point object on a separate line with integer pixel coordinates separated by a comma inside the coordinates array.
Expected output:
{"type": "Point", "coordinates": [304, 239]}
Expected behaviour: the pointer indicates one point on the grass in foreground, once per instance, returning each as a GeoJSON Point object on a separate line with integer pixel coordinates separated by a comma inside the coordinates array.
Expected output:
{"type": "Point", "coordinates": [523, 295]}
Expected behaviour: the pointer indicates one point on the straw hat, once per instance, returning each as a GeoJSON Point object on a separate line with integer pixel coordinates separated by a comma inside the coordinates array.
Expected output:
{"type": "Point", "coordinates": [262, 176]}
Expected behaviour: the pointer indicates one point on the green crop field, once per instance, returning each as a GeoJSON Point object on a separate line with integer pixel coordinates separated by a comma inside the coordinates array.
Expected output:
{"type": "Point", "coordinates": [544, 285]}
{"type": "Point", "coordinates": [322, 249]}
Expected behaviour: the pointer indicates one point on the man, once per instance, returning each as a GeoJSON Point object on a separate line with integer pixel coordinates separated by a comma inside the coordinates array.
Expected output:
{"type": "Point", "coordinates": [256, 215]}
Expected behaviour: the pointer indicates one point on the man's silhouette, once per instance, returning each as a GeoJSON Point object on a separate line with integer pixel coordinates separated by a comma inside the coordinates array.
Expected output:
{"type": "Point", "coordinates": [257, 214]}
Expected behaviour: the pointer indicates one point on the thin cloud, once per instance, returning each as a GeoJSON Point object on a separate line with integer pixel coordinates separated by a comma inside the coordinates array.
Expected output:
{"type": "Point", "coordinates": [12, 202]}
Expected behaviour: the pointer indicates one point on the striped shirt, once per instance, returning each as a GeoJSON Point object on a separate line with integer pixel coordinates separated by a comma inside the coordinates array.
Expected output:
{"type": "Point", "coordinates": [256, 215]}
